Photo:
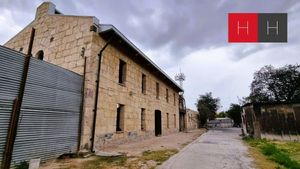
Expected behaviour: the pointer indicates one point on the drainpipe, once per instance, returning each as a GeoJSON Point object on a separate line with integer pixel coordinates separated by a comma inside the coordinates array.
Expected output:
{"type": "Point", "coordinates": [97, 94]}
{"type": "Point", "coordinates": [80, 128]}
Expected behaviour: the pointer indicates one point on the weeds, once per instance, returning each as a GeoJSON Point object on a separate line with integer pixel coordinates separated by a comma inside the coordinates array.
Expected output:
{"type": "Point", "coordinates": [273, 152]}
{"type": "Point", "coordinates": [158, 156]}
{"type": "Point", "coordinates": [22, 165]}
{"type": "Point", "coordinates": [105, 162]}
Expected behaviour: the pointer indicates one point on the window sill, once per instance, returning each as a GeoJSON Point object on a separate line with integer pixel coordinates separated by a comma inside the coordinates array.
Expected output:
{"type": "Point", "coordinates": [119, 132]}
{"type": "Point", "coordinates": [122, 84]}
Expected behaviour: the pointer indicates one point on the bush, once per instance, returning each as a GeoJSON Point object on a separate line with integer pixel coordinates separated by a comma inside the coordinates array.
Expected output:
{"type": "Point", "coordinates": [22, 165]}
{"type": "Point", "coordinates": [269, 149]}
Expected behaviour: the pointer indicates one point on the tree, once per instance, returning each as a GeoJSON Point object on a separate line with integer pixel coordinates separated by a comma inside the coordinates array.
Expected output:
{"type": "Point", "coordinates": [207, 107]}
{"type": "Point", "coordinates": [271, 84]}
{"type": "Point", "coordinates": [221, 114]}
{"type": "Point", "coordinates": [234, 112]}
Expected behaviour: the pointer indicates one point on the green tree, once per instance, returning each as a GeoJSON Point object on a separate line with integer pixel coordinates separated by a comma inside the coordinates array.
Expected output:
{"type": "Point", "coordinates": [276, 84]}
{"type": "Point", "coordinates": [234, 112]}
{"type": "Point", "coordinates": [207, 107]}
{"type": "Point", "coordinates": [221, 114]}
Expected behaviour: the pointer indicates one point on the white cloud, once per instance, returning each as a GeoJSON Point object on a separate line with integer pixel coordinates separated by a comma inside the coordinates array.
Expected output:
{"type": "Point", "coordinates": [187, 35]}
{"type": "Point", "coordinates": [8, 27]}
{"type": "Point", "coordinates": [213, 70]}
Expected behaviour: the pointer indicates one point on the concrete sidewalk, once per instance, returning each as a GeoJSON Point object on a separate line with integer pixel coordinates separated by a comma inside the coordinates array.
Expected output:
{"type": "Point", "coordinates": [217, 149]}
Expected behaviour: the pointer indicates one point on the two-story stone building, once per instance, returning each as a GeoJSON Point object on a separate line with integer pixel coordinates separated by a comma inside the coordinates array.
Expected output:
{"type": "Point", "coordinates": [135, 99]}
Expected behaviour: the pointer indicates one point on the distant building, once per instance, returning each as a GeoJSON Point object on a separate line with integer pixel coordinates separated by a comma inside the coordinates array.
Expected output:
{"type": "Point", "coordinates": [221, 122]}
{"type": "Point", "coordinates": [192, 119]}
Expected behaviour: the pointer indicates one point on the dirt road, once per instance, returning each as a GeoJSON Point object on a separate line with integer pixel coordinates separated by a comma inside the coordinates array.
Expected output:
{"type": "Point", "coordinates": [217, 149]}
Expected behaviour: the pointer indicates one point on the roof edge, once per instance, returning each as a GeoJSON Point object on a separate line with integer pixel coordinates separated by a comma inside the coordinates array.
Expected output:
{"type": "Point", "coordinates": [109, 27]}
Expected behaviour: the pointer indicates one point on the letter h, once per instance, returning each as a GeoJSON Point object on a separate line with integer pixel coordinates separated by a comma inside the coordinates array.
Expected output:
{"type": "Point", "coordinates": [272, 27]}
{"type": "Point", "coordinates": [242, 27]}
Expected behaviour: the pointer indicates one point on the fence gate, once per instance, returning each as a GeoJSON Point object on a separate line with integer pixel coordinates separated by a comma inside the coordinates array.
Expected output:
{"type": "Point", "coordinates": [50, 113]}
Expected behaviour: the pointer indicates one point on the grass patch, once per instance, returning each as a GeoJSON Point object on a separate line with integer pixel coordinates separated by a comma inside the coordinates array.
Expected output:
{"type": "Point", "coordinates": [277, 152]}
{"type": "Point", "coordinates": [261, 160]}
{"type": "Point", "coordinates": [148, 159]}
{"type": "Point", "coordinates": [292, 148]}
{"type": "Point", "coordinates": [158, 156]}
{"type": "Point", "coordinates": [105, 162]}
{"type": "Point", "coordinates": [151, 159]}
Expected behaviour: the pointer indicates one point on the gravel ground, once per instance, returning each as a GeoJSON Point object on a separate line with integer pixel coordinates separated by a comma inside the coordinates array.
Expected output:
{"type": "Point", "coordinates": [171, 141]}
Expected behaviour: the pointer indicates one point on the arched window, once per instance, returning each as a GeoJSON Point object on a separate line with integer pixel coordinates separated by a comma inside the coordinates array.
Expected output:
{"type": "Point", "coordinates": [40, 55]}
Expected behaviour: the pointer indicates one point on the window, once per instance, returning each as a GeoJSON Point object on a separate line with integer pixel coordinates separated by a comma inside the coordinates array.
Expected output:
{"type": "Point", "coordinates": [174, 120]}
{"type": "Point", "coordinates": [167, 95]}
{"type": "Point", "coordinates": [120, 118]}
{"type": "Point", "coordinates": [174, 97]}
{"type": "Point", "coordinates": [143, 83]}
{"type": "Point", "coordinates": [143, 120]}
{"type": "Point", "coordinates": [40, 55]}
{"type": "Point", "coordinates": [157, 90]}
{"type": "Point", "coordinates": [167, 120]}
{"type": "Point", "coordinates": [122, 71]}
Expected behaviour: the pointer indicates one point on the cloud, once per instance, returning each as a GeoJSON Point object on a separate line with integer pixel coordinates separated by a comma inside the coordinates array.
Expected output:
{"type": "Point", "coordinates": [187, 35]}
{"type": "Point", "coordinates": [212, 70]}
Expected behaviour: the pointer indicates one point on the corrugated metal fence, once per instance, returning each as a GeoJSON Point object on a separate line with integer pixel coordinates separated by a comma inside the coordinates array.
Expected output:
{"type": "Point", "coordinates": [279, 121]}
{"type": "Point", "coordinates": [50, 113]}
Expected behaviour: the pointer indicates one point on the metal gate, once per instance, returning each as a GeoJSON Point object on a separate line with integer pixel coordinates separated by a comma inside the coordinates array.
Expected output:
{"type": "Point", "coordinates": [50, 113]}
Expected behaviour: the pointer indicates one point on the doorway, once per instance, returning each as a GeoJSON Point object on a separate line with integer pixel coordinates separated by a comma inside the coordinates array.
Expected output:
{"type": "Point", "coordinates": [157, 120]}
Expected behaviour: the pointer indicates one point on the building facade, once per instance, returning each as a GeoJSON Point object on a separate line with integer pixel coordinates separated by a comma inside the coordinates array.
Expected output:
{"type": "Point", "coordinates": [135, 99]}
{"type": "Point", "coordinates": [192, 119]}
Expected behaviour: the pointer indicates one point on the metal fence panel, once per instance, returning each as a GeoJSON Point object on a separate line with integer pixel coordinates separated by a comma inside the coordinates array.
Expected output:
{"type": "Point", "coordinates": [50, 113]}
{"type": "Point", "coordinates": [11, 68]}
{"type": "Point", "coordinates": [49, 120]}
{"type": "Point", "coordinates": [5, 111]}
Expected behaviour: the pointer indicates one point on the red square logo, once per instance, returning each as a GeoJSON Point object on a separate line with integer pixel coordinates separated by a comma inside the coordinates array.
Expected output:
{"type": "Point", "coordinates": [242, 27]}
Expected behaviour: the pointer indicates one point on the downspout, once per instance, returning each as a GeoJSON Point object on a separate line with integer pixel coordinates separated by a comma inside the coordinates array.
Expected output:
{"type": "Point", "coordinates": [97, 94]}
{"type": "Point", "coordinates": [80, 128]}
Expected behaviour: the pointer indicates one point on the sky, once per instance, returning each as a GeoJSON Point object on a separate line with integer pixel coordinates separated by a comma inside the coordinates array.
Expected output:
{"type": "Point", "coordinates": [182, 35]}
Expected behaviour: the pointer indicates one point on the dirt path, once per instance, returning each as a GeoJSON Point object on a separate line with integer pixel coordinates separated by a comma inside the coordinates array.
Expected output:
{"type": "Point", "coordinates": [133, 150]}
{"type": "Point", "coordinates": [172, 141]}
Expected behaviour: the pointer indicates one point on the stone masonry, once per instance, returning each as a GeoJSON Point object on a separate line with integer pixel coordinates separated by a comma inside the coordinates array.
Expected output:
{"type": "Point", "coordinates": [191, 119]}
{"type": "Point", "coordinates": [65, 41]}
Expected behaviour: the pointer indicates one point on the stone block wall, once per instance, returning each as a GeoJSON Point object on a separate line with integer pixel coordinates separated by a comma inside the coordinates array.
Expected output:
{"type": "Point", "coordinates": [130, 95]}
{"type": "Point", "coordinates": [191, 119]}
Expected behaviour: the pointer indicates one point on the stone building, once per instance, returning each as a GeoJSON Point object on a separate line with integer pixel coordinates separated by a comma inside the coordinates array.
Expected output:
{"type": "Point", "coordinates": [136, 98]}
{"type": "Point", "coordinates": [192, 119]}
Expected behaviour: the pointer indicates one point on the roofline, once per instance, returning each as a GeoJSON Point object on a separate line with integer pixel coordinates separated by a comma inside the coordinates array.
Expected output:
{"type": "Point", "coordinates": [109, 27]}
{"type": "Point", "coordinates": [271, 103]}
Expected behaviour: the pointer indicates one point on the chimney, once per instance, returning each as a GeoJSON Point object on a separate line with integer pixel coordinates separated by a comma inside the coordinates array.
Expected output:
{"type": "Point", "coordinates": [44, 9]}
